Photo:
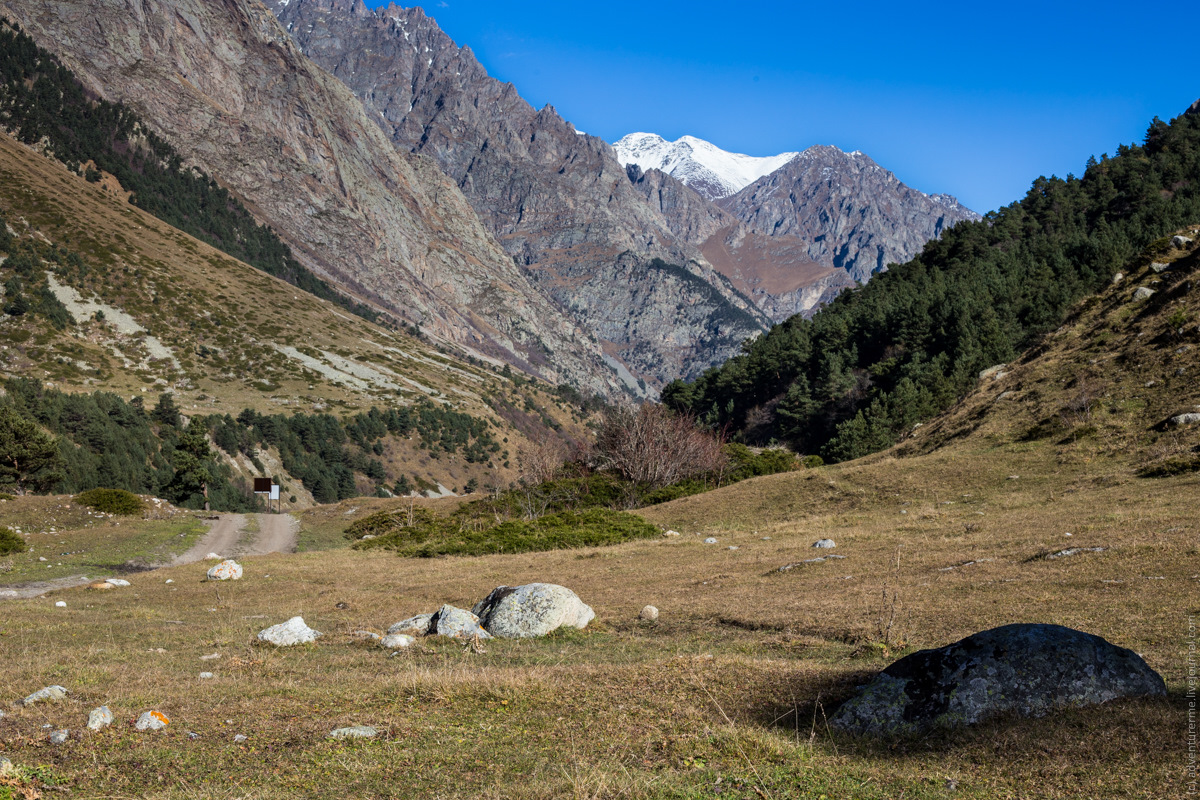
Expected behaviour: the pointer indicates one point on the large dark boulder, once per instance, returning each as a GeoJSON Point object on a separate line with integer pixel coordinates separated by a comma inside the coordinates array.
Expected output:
{"type": "Point", "coordinates": [1029, 670]}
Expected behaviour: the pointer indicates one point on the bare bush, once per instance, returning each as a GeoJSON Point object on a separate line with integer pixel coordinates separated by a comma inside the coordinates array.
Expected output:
{"type": "Point", "coordinates": [654, 447]}
{"type": "Point", "coordinates": [539, 462]}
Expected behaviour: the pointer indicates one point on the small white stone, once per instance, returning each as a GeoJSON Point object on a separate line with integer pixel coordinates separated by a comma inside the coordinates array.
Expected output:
{"type": "Point", "coordinates": [60, 604]}
{"type": "Point", "coordinates": [355, 732]}
{"type": "Point", "coordinates": [671, 533]}
{"type": "Point", "coordinates": [99, 718]}
{"type": "Point", "coordinates": [710, 540]}
{"type": "Point", "coordinates": [289, 633]}
{"type": "Point", "coordinates": [732, 547]}
{"type": "Point", "coordinates": [648, 613]}
{"type": "Point", "coordinates": [58, 737]}
{"type": "Point", "coordinates": [170, 580]}
{"type": "Point", "coordinates": [213, 556]}
{"type": "Point", "coordinates": [395, 641]}
{"type": "Point", "coordinates": [53, 693]}
{"type": "Point", "coordinates": [824, 544]}
{"type": "Point", "coordinates": [152, 721]}
{"type": "Point", "coordinates": [117, 582]}
{"type": "Point", "coordinates": [241, 737]}
{"type": "Point", "coordinates": [228, 570]}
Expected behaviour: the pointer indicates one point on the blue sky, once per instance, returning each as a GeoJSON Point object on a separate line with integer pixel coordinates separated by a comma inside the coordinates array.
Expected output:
{"type": "Point", "coordinates": [973, 99]}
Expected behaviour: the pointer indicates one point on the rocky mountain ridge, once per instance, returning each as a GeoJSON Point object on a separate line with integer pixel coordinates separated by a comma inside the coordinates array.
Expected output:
{"type": "Point", "coordinates": [854, 214]}
{"type": "Point", "coordinates": [224, 83]}
{"type": "Point", "coordinates": [558, 201]}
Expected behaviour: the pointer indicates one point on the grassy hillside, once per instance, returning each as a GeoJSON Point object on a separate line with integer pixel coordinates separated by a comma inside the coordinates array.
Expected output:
{"type": "Point", "coordinates": [151, 310]}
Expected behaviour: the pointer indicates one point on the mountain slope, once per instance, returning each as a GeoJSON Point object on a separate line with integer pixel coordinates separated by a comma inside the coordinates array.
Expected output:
{"type": "Point", "coordinates": [144, 309]}
{"type": "Point", "coordinates": [557, 201]}
{"type": "Point", "coordinates": [855, 214]}
{"type": "Point", "coordinates": [225, 85]}
{"type": "Point", "coordinates": [907, 345]}
{"type": "Point", "coordinates": [711, 171]}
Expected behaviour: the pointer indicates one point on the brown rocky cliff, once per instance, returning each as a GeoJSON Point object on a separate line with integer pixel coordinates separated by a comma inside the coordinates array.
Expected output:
{"type": "Point", "coordinates": [223, 82]}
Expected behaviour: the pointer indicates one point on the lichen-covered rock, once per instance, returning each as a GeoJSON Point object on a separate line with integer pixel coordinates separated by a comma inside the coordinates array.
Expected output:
{"type": "Point", "coordinates": [354, 732]}
{"type": "Point", "coordinates": [457, 623]}
{"type": "Point", "coordinates": [414, 626]}
{"type": "Point", "coordinates": [824, 543]}
{"type": "Point", "coordinates": [60, 736]}
{"type": "Point", "coordinates": [1025, 669]}
{"type": "Point", "coordinates": [535, 609]}
{"type": "Point", "coordinates": [1143, 293]}
{"type": "Point", "coordinates": [99, 718]}
{"type": "Point", "coordinates": [227, 570]}
{"type": "Point", "coordinates": [289, 633]}
{"type": "Point", "coordinates": [152, 721]}
{"type": "Point", "coordinates": [1185, 419]}
{"type": "Point", "coordinates": [50, 694]}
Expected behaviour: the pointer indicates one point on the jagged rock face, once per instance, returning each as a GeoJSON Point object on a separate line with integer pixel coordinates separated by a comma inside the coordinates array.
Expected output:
{"type": "Point", "coordinates": [558, 201]}
{"type": "Point", "coordinates": [854, 214]}
{"type": "Point", "coordinates": [225, 84]}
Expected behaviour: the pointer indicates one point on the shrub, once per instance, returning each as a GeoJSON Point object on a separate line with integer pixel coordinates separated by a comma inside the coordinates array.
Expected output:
{"type": "Point", "coordinates": [655, 447]}
{"type": "Point", "coordinates": [11, 542]}
{"type": "Point", "coordinates": [111, 501]}
{"type": "Point", "coordinates": [812, 461]}
{"type": "Point", "coordinates": [591, 528]}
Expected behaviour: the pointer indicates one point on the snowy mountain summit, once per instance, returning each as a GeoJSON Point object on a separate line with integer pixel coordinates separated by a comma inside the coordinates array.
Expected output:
{"type": "Point", "coordinates": [708, 169]}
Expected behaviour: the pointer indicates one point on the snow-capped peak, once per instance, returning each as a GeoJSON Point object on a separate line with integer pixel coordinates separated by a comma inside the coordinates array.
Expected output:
{"type": "Point", "coordinates": [708, 169]}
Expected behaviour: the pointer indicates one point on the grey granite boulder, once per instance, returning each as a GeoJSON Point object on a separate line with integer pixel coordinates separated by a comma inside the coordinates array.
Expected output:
{"type": "Point", "coordinates": [535, 609]}
{"type": "Point", "coordinates": [457, 623]}
{"type": "Point", "coordinates": [824, 543]}
{"type": "Point", "coordinates": [99, 718]}
{"type": "Point", "coordinates": [1025, 669]}
{"type": "Point", "coordinates": [289, 633]}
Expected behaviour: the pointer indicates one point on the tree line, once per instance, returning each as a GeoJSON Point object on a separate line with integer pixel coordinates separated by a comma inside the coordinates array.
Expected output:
{"type": "Point", "coordinates": [904, 347]}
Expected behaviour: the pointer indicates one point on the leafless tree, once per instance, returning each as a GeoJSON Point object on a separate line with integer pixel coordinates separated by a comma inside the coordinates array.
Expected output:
{"type": "Point", "coordinates": [654, 447]}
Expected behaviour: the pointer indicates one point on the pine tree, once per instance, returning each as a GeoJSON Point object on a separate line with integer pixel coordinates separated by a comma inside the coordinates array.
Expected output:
{"type": "Point", "coordinates": [29, 456]}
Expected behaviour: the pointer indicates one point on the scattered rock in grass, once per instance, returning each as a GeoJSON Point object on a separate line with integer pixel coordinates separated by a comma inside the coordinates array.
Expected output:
{"type": "Point", "coordinates": [289, 633]}
{"type": "Point", "coordinates": [170, 580]}
{"type": "Point", "coordinates": [535, 609]}
{"type": "Point", "coordinates": [396, 641]}
{"type": "Point", "coordinates": [1029, 670]}
{"type": "Point", "coordinates": [1070, 551]}
{"type": "Point", "coordinates": [417, 626]}
{"type": "Point", "coordinates": [210, 657]}
{"type": "Point", "coordinates": [206, 676]}
{"type": "Point", "coordinates": [213, 557]}
{"type": "Point", "coordinates": [354, 732]}
{"type": "Point", "coordinates": [1143, 293]}
{"type": "Point", "coordinates": [5, 765]}
{"type": "Point", "coordinates": [824, 543]}
{"type": "Point", "coordinates": [1159, 267]}
{"type": "Point", "coordinates": [1180, 241]}
{"type": "Point", "coordinates": [1185, 419]}
{"type": "Point", "coordinates": [807, 561]}
{"type": "Point", "coordinates": [152, 721]}
{"type": "Point", "coordinates": [671, 533]}
{"type": "Point", "coordinates": [101, 586]}
{"type": "Point", "coordinates": [118, 582]}
{"type": "Point", "coordinates": [1120, 276]}
{"type": "Point", "coordinates": [227, 570]}
{"type": "Point", "coordinates": [60, 736]}
{"type": "Point", "coordinates": [99, 718]}
{"type": "Point", "coordinates": [60, 604]}
{"type": "Point", "coordinates": [457, 623]}
{"type": "Point", "coordinates": [369, 636]}
{"type": "Point", "coordinates": [733, 547]}
{"type": "Point", "coordinates": [766, 538]}
{"type": "Point", "coordinates": [711, 540]}
{"type": "Point", "coordinates": [239, 738]}
{"type": "Point", "coordinates": [48, 694]}
{"type": "Point", "coordinates": [995, 372]}
{"type": "Point", "coordinates": [649, 614]}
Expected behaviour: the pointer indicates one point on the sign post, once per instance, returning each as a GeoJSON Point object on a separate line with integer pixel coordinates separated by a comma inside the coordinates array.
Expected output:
{"type": "Point", "coordinates": [270, 488]}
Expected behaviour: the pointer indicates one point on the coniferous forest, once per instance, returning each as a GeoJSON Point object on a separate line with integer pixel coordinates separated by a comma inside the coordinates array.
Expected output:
{"type": "Point", "coordinates": [908, 344]}
{"type": "Point", "coordinates": [41, 101]}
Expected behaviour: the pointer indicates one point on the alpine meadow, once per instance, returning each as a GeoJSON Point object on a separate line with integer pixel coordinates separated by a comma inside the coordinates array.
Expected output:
{"type": "Point", "coordinates": [368, 431]}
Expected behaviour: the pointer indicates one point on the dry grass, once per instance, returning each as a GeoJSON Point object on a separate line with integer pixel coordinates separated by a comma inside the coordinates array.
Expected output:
{"type": "Point", "coordinates": [732, 685]}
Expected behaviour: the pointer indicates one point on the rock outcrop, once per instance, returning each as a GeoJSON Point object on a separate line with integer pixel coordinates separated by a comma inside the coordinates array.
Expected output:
{"type": "Point", "coordinates": [852, 213]}
{"type": "Point", "coordinates": [1030, 670]}
{"type": "Point", "coordinates": [225, 84]}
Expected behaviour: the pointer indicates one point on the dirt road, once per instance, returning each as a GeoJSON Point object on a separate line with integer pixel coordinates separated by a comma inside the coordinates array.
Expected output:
{"type": "Point", "coordinates": [228, 537]}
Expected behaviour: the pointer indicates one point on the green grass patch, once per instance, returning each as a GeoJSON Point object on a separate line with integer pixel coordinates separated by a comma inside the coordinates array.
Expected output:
{"type": "Point", "coordinates": [11, 542]}
{"type": "Point", "coordinates": [428, 536]}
